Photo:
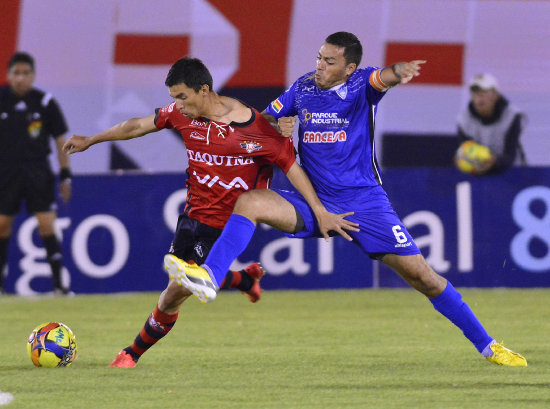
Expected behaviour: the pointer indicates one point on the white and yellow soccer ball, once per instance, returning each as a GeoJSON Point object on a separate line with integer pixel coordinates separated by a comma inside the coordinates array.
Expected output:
{"type": "Point", "coordinates": [52, 345]}
{"type": "Point", "coordinates": [471, 157]}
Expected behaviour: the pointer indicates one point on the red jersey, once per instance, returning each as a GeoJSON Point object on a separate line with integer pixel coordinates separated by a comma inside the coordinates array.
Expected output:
{"type": "Point", "coordinates": [225, 160]}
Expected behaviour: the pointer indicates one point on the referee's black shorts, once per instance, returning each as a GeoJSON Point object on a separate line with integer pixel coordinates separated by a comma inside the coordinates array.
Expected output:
{"type": "Point", "coordinates": [33, 183]}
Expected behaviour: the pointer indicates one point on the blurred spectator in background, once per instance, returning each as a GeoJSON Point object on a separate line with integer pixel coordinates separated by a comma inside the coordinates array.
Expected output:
{"type": "Point", "coordinates": [28, 119]}
{"type": "Point", "coordinates": [491, 121]}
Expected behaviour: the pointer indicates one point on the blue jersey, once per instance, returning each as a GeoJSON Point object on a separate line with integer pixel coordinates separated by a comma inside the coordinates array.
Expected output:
{"type": "Point", "coordinates": [336, 132]}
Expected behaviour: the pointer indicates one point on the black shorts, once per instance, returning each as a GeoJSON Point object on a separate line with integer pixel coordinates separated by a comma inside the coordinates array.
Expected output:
{"type": "Point", "coordinates": [193, 240]}
{"type": "Point", "coordinates": [34, 184]}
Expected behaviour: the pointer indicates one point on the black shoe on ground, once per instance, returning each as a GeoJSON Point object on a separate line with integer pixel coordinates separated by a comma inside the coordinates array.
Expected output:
{"type": "Point", "coordinates": [62, 292]}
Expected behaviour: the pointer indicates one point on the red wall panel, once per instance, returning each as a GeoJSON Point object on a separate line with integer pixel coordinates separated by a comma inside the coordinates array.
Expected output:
{"type": "Point", "coordinates": [8, 33]}
{"type": "Point", "coordinates": [445, 61]}
{"type": "Point", "coordinates": [149, 50]}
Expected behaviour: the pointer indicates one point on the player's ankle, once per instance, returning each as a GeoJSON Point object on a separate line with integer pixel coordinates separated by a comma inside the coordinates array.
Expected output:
{"type": "Point", "coordinates": [246, 282]}
{"type": "Point", "coordinates": [129, 351]}
{"type": "Point", "coordinates": [487, 351]}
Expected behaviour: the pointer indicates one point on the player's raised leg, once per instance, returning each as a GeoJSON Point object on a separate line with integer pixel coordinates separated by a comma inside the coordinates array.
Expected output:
{"type": "Point", "coordinates": [246, 280]}
{"type": "Point", "coordinates": [448, 301]}
{"type": "Point", "coordinates": [194, 278]}
{"type": "Point", "coordinates": [198, 279]}
{"type": "Point", "coordinates": [250, 209]}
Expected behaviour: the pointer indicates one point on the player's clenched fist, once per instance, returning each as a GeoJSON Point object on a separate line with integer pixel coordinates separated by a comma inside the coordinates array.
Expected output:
{"type": "Point", "coordinates": [286, 125]}
{"type": "Point", "coordinates": [76, 143]}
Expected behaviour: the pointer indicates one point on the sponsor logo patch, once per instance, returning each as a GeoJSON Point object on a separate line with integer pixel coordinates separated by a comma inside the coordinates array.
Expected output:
{"type": "Point", "coordinates": [169, 108]}
{"type": "Point", "coordinates": [219, 160]}
{"type": "Point", "coordinates": [325, 137]}
{"type": "Point", "coordinates": [306, 116]}
{"type": "Point", "coordinates": [196, 135]}
{"type": "Point", "coordinates": [201, 124]}
{"type": "Point", "coordinates": [331, 119]}
{"type": "Point", "coordinates": [210, 181]}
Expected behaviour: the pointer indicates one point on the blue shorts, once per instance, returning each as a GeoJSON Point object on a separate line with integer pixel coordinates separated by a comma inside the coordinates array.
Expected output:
{"type": "Point", "coordinates": [381, 230]}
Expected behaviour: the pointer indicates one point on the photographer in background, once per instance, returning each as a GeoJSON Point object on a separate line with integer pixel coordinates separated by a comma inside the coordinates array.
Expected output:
{"type": "Point", "coordinates": [28, 119]}
{"type": "Point", "coordinates": [491, 121]}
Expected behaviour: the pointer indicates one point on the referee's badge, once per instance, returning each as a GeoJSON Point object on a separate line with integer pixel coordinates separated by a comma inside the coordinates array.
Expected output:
{"type": "Point", "coordinates": [34, 129]}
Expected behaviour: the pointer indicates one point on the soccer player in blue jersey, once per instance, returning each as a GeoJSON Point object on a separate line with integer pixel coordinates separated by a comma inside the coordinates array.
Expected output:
{"type": "Point", "coordinates": [335, 106]}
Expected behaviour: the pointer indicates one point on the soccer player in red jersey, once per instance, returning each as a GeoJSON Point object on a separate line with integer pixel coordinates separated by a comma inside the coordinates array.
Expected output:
{"type": "Point", "coordinates": [231, 149]}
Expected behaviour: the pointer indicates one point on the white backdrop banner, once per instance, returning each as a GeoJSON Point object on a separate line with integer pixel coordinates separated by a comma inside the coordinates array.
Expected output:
{"type": "Point", "coordinates": [76, 59]}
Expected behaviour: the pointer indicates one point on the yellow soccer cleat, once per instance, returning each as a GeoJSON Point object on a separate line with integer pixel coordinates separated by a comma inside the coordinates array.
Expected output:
{"type": "Point", "coordinates": [503, 356]}
{"type": "Point", "coordinates": [193, 277]}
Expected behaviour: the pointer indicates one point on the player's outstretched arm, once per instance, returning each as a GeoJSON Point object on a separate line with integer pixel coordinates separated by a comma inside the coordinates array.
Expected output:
{"type": "Point", "coordinates": [401, 72]}
{"type": "Point", "coordinates": [284, 125]}
{"type": "Point", "coordinates": [327, 221]}
{"type": "Point", "coordinates": [270, 118]}
{"type": "Point", "coordinates": [132, 128]}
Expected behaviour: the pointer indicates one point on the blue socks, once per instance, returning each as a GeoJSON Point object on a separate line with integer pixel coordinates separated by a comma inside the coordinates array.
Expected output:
{"type": "Point", "coordinates": [449, 303]}
{"type": "Point", "coordinates": [236, 235]}
{"type": "Point", "coordinates": [239, 230]}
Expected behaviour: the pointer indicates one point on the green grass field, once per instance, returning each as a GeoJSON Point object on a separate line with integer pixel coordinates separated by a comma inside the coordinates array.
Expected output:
{"type": "Point", "coordinates": [322, 349]}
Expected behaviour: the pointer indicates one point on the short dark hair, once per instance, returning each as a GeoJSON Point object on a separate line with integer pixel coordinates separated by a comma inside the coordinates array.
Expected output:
{"type": "Point", "coordinates": [353, 50]}
{"type": "Point", "coordinates": [190, 71]}
{"type": "Point", "coordinates": [21, 57]}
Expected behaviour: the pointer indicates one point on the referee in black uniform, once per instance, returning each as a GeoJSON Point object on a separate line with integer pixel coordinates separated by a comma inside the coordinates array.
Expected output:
{"type": "Point", "coordinates": [28, 118]}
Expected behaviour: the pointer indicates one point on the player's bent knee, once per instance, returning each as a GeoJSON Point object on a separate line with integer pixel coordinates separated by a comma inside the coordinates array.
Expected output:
{"type": "Point", "coordinates": [417, 273]}
{"type": "Point", "coordinates": [251, 204]}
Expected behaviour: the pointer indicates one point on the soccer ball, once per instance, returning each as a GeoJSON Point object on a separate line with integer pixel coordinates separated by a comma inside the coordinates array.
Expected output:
{"type": "Point", "coordinates": [52, 345]}
{"type": "Point", "coordinates": [471, 157]}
